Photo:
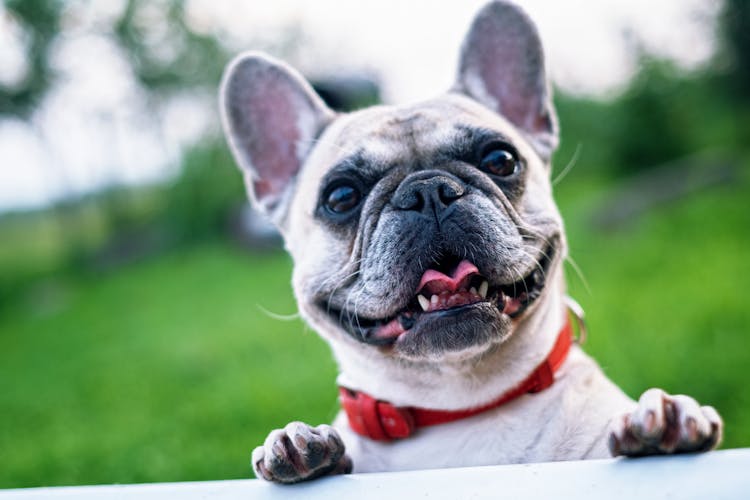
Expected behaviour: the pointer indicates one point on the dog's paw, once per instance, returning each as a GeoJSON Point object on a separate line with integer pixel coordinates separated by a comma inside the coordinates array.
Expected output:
{"type": "Point", "coordinates": [662, 424]}
{"type": "Point", "coordinates": [299, 452]}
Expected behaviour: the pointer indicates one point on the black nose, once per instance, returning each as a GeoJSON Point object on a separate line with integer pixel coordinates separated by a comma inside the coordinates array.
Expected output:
{"type": "Point", "coordinates": [430, 193]}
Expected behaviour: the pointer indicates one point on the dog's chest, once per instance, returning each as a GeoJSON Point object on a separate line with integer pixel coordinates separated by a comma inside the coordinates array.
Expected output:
{"type": "Point", "coordinates": [565, 422]}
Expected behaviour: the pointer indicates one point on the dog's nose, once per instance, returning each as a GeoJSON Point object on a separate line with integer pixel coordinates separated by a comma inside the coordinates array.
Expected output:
{"type": "Point", "coordinates": [428, 193]}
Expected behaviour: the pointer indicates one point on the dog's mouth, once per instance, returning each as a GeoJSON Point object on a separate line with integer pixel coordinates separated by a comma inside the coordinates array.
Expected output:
{"type": "Point", "coordinates": [453, 286]}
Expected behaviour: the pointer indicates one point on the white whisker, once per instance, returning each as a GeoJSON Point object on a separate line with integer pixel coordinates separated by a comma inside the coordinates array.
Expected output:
{"type": "Point", "coordinates": [559, 177]}
{"type": "Point", "coordinates": [578, 271]}
{"type": "Point", "coordinates": [280, 317]}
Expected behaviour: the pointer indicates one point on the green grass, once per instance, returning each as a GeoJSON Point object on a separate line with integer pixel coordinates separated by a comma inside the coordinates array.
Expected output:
{"type": "Point", "coordinates": [165, 371]}
{"type": "Point", "coordinates": [168, 369]}
{"type": "Point", "coordinates": [668, 301]}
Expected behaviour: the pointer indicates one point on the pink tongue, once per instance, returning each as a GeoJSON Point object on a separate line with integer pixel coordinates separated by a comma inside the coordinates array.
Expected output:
{"type": "Point", "coordinates": [435, 282]}
{"type": "Point", "coordinates": [390, 330]}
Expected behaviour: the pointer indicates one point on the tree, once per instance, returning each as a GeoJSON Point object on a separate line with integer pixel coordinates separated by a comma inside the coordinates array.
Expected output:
{"type": "Point", "coordinates": [735, 37]}
{"type": "Point", "coordinates": [194, 60]}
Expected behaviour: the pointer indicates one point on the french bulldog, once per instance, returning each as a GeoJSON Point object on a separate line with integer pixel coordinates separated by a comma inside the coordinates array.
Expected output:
{"type": "Point", "coordinates": [427, 252]}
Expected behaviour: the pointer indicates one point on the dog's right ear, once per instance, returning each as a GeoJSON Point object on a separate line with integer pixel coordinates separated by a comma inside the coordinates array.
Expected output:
{"type": "Point", "coordinates": [271, 117]}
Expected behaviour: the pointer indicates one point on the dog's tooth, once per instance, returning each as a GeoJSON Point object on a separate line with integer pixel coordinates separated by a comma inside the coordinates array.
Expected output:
{"type": "Point", "coordinates": [537, 277]}
{"type": "Point", "coordinates": [483, 289]}
{"type": "Point", "coordinates": [434, 300]}
{"type": "Point", "coordinates": [473, 291]}
{"type": "Point", "coordinates": [423, 302]}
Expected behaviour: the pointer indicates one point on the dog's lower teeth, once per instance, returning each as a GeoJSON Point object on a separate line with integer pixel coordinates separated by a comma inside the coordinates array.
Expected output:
{"type": "Point", "coordinates": [434, 300]}
{"type": "Point", "coordinates": [483, 289]}
{"type": "Point", "coordinates": [423, 302]}
{"type": "Point", "coordinates": [537, 277]}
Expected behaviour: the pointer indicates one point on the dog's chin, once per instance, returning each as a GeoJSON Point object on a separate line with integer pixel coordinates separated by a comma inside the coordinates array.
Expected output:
{"type": "Point", "coordinates": [468, 319]}
{"type": "Point", "coordinates": [466, 329]}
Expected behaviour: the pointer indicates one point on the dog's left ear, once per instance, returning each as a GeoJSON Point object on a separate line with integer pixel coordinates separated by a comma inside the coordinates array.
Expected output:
{"type": "Point", "coordinates": [502, 67]}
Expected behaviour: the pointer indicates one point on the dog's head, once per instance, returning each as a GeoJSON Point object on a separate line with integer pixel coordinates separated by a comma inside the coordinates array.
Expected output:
{"type": "Point", "coordinates": [422, 232]}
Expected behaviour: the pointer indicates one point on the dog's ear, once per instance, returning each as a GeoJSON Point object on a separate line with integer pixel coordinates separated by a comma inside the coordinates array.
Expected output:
{"type": "Point", "coordinates": [271, 116]}
{"type": "Point", "coordinates": [502, 67]}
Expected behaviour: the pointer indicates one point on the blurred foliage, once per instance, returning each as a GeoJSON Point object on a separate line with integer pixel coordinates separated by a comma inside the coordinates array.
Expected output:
{"type": "Point", "coordinates": [40, 20]}
{"type": "Point", "coordinates": [199, 203]}
{"type": "Point", "coordinates": [663, 114]}
{"type": "Point", "coordinates": [654, 103]}
{"type": "Point", "coordinates": [192, 59]}
{"type": "Point", "coordinates": [165, 55]}
{"type": "Point", "coordinates": [735, 34]}
{"type": "Point", "coordinates": [121, 225]}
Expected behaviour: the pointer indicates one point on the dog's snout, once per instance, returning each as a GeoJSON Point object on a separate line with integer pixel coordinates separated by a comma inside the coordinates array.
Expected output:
{"type": "Point", "coordinates": [429, 194]}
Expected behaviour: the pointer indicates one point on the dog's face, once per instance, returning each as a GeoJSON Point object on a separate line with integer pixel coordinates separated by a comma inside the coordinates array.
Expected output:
{"type": "Point", "coordinates": [422, 232]}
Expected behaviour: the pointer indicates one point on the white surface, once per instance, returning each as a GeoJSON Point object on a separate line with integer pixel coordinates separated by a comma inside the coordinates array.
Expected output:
{"type": "Point", "coordinates": [718, 475]}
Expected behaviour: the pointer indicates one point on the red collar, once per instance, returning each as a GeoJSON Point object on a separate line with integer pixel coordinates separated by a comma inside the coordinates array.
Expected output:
{"type": "Point", "coordinates": [382, 421]}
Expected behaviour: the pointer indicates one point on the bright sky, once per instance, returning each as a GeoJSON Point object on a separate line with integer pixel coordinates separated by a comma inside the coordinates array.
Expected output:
{"type": "Point", "coordinates": [95, 128]}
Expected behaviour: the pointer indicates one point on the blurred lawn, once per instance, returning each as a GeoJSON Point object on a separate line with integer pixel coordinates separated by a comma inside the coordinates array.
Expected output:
{"type": "Point", "coordinates": [668, 304]}
{"type": "Point", "coordinates": [168, 370]}
{"type": "Point", "coordinates": [164, 371]}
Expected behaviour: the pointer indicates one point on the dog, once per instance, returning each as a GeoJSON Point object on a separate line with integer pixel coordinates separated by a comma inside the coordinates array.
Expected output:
{"type": "Point", "coordinates": [428, 253]}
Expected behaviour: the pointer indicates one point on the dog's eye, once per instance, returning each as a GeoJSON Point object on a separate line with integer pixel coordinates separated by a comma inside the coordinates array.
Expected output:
{"type": "Point", "coordinates": [500, 161]}
{"type": "Point", "coordinates": [342, 199]}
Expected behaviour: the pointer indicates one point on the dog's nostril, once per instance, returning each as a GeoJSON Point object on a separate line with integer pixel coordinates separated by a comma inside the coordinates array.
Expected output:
{"type": "Point", "coordinates": [410, 200]}
{"type": "Point", "coordinates": [449, 192]}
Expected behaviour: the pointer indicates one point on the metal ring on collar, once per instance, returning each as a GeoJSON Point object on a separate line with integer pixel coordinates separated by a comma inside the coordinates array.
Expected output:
{"type": "Point", "coordinates": [575, 310]}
